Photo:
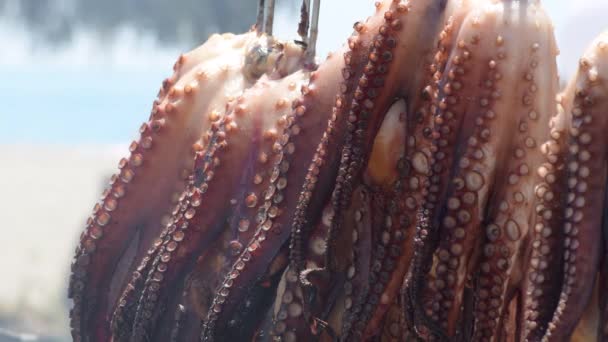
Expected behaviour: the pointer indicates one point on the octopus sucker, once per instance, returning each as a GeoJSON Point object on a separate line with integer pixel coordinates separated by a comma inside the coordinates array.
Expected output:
{"type": "Point", "coordinates": [425, 182]}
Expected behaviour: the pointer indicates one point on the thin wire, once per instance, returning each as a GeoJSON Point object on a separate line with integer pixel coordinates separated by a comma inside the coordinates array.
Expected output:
{"type": "Point", "coordinates": [259, 22]}
{"type": "Point", "coordinates": [304, 24]}
{"type": "Point", "coordinates": [269, 17]}
{"type": "Point", "coordinates": [314, 31]}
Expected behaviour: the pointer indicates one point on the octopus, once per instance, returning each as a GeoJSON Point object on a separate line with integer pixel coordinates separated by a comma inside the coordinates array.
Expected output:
{"type": "Point", "coordinates": [427, 181]}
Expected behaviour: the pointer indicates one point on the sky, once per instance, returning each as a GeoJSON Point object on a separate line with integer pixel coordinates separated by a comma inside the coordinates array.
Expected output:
{"type": "Point", "coordinates": [90, 92]}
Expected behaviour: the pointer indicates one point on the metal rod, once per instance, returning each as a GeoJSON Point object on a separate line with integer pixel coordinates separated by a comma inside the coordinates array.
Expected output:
{"type": "Point", "coordinates": [269, 17]}
{"type": "Point", "coordinates": [314, 31]}
{"type": "Point", "coordinates": [259, 22]}
{"type": "Point", "coordinates": [304, 24]}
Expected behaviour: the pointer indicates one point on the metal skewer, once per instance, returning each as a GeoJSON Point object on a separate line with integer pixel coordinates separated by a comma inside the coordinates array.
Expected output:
{"type": "Point", "coordinates": [314, 31]}
{"type": "Point", "coordinates": [304, 24]}
{"type": "Point", "coordinates": [259, 22]}
{"type": "Point", "coordinates": [269, 17]}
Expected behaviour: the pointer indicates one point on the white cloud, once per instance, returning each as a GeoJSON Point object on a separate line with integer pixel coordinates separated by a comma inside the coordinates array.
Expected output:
{"type": "Point", "coordinates": [126, 49]}
{"type": "Point", "coordinates": [576, 23]}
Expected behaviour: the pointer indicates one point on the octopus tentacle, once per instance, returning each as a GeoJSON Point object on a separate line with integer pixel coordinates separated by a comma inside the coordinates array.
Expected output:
{"type": "Point", "coordinates": [449, 127]}
{"type": "Point", "coordinates": [189, 234]}
{"type": "Point", "coordinates": [393, 327]}
{"type": "Point", "coordinates": [303, 127]}
{"type": "Point", "coordinates": [286, 317]}
{"type": "Point", "coordinates": [129, 217]}
{"type": "Point", "coordinates": [590, 323]}
{"type": "Point", "coordinates": [356, 268]}
{"type": "Point", "coordinates": [194, 228]}
{"type": "Point", "coordinates": [296, 249]}
{"type": "Point", "coordinates": [336, 290]}
{"type": "Point", "coordinates": [393, 42]}
{"type": "Point", "coordinates": [238, 232]}
{"type": "Point", "coordinates": [323, 166]}
{"type": "Point", "coordinates": [249, 59]}
{"type": "Point", "coordinates": [388, 236]}
{"type": "Point", "coordinates": [292, 297]}
{"type": "Point", "coordinates": [408, 196]}
{"type": "Point", "coordinates": [603, 281]}
{"type": "Point", "coordinates": [425, 181]}
{"type": "Point", "coordinates": [472, 112]}
{"type": "Point", "coordinates": [215, 263]}
{"type": "Point", "coordinates": [545, 250]}
{"type": "Point", "coordinates": [368, 105]}
{"type": "Point", "coordinates": [584, 104]}
{"type": "Point", "coordinates": [312, 108]}
{"type": "Point", "coordinates": [363, 265]}
{"type": "Point", "coordinates": [381, 174]}
{"type": "Point", "coordinates": [508, 225]}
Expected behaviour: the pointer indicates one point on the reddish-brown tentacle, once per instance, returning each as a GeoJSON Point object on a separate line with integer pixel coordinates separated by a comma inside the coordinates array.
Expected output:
{"type": "Point", "coordinates": [424, 183]}
{"type": "Point", "coordinates": [129, 215]}
{"type": "Point", "coordinates": [481, 180]}
{"type": "Point", "coordinates": [394, 235]}
{"type": "Point", "coordinates": [584, 104]}
{"type": "Point", "coordinates": [409, 192]}
{"type": "Point", "coordinates": [351, 59]}
{"type": "Point", "coordinates": [240, 143]}
{"type": "Point", "coordinates": [394, 327]}
{"type": "Point", "coordinates": [241, 62]}
{"type": "Point", "coordinates": [368, 104]}
{"type": "Point", "coordinates": [294, 147]}
{"type": "Point", "coordinates": [302, 300]}
{"type": "Point", "coordinates": [381, 235]}
{"type": "Point", "coordinates": [395, 41]}
{"type": "Point", "coordinates": [603, 281]}
{"type": "Point", "coordinates": [508, 226]}
{"type": "Point", "coordinates": [543, 267]}
{"type": "Point", "coordinates": [304, 127]}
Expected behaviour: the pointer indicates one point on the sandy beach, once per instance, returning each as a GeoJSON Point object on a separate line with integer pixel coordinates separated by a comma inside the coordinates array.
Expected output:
{"type": "Point", "coordinates": [47, 193]}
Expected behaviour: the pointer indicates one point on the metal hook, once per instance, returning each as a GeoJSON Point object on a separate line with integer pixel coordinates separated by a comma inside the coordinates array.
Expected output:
{"type": "Point", "coordinates": [304, 24]}
{"type": "Point", "coordinates": [269, 17]}
{"type": "Point", "coordinates": [314, 31]}
{"type": "Point", "coordinates": [259, 22]}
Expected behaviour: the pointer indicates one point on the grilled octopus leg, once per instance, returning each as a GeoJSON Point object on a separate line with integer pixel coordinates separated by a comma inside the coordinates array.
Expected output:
{"type": "Point", "coordinates": [192, 229]}
{"type": "Point", "coordinates": [490, 105]}
{"type": "Point", "coordinates": [128, 218]}
{"type": "Point", "coordinates": [566, 258]}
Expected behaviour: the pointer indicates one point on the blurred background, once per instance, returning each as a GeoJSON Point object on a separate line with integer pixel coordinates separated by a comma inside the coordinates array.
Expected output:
{"type": "Point", "coordinates": [77, 77]}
